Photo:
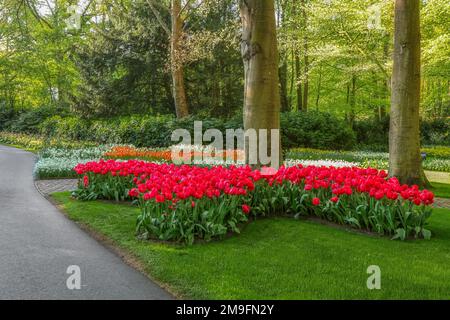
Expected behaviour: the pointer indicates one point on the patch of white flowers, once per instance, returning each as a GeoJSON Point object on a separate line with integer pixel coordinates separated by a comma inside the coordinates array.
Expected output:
{"type": "Point", "coordinates": [57, 167]}
{"type": "Point", "coordinates": [321, 163]}
{"type": "Point", "coordinates": [84, 153]}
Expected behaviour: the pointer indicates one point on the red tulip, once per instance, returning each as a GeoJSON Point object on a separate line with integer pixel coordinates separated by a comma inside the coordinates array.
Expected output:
{"type": "Point", "coordinates": [316, 201]}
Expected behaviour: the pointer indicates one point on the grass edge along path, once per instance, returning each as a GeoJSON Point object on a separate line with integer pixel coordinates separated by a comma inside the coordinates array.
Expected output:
{"type": "Point", "coordinates": [280, 258]}
{"type": "Point", "coordinates": [440, 190]}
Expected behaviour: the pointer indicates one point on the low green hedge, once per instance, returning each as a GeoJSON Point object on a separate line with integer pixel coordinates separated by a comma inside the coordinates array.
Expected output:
{"type": "Point", "coordinates": [312, 129]}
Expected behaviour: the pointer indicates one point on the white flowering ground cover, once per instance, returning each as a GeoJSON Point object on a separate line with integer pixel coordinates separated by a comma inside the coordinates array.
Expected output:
{"type": "Point", "coordinates": [59, 162]}
{"type": "Point", "coordinates": [321, 163]}
{"type": "Point", "coordinates": [437, 158]}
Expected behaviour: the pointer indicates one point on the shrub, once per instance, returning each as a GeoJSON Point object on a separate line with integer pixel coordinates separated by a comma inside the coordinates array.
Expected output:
{"type": "Point", "coordinates": [310, 129]}
{"type": "Point", "coordinates": [437, 152]}
{"type": "Point", "coordinates": [436, 132]}
{"type": "Point", "coordinates": [29, 121]}
{"type": "Point", "coordinates": [36, 142]}
{"type": "Point", "coordinates": [315, 130]}
{"type": "Point", "coordinates": [22, 140]}
{"type": "Point", "coordinates": [373, 134]}
{"type": "Point", "coordinates": [7, 115]}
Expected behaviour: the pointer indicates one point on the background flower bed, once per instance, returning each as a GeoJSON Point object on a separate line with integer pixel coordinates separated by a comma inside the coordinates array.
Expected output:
{"type": "Point", "coordinates": [437, 157]}
{"type": "Point", "coordinates": [58, 161]}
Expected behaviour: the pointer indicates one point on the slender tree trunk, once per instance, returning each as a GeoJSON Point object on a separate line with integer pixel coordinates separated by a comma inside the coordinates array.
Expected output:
{"type": "Point", "coordinates": [179, 92]}
{"type": "Point", "coordinates": [305, 58]}
{"type": "Point", "coordinates": [352, 98]}
{"type": "Point", "coordinates": [404, 136]}
{"type": "Point", "coordinates": [283, 86]}
{"type": "Point", "coordinates": [319, 87]}
{"type": "Point", "coordinates": [292, 78]}
{"type": "Point", "coordinates": [260, 56]}
{"type": "Point", "coordinates": [283, 69]}
{"type": "Point", "coordinates": [387, 80]}
{"type": "Point", "coordinates": [297, 64]}
{"type": "Point", "coordinates": [298, 82]}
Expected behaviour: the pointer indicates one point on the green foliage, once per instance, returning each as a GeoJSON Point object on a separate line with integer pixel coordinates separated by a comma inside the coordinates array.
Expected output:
{"type": "Point", "coordinates": [374, 134]}
{"type": "Point", "coordinates": [6, 116]}
{"type": "Point", "coordinates": [437, 151]}
{"type": "Point", "coordinates": [205, 221]}
{"type": "Point", "coordinates": [315, 130]}
{"type": "Point", "coordinates": [312, 129]}
{"type": "Point", "coordinates": [30, 120]}
{"type": "Point", "coordinates": [436, 132]}
{"type": "Point", "coordinates": [119, 66]}
{"type": "Point", "coordinates": [37, 143]}
{"type": "Point", "coordinates": [298, 129]}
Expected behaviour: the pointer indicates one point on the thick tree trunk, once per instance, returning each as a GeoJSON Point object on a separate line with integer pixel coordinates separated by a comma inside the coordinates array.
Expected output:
{"type": "Point", "coordinates": [260, 56]}
{"type": "Point", "coordinates": [404, 137]}
{"type": "Point", "coordinates": [179, 92]}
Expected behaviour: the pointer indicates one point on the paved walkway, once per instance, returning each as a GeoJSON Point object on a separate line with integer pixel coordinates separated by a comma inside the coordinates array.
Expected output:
{"type": "Point", "coordinates": [442, 203]}
{"type": "Point", "coordinates": [47, 187]}
{"type": "Point", "coordinates": [38, 244]}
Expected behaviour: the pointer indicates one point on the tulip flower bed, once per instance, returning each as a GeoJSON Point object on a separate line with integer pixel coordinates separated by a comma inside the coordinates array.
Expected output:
{"type": "Point", "coordinates": [182, 203]}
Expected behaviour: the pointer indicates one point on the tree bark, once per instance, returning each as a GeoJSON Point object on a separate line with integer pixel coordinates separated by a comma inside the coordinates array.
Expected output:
{"type": "Point", "coordinates": [404, 137]}
{"type": "Point", "coordinates": [179, 92]}
{"type": "Point", "coordinates": [319, 87]}
{"type": "Point", "coordinates": [305, 58]}
{"type": "Point", "coordinates": [351, 99]}
{"type": "Point", "coordinates": [283, 56]}
{"type": "Point", "coordinates": [298, 83]}
{"type": "Point", "coordinates": [260, 57]}
{"type": "Point", "coordinates": [283, 86]}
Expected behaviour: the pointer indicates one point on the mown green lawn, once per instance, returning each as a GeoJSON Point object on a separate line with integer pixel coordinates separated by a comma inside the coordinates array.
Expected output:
{"type": "Point", "coordinates": [282, 258]}
{"type": "Point", "coordinates": [441, 190]}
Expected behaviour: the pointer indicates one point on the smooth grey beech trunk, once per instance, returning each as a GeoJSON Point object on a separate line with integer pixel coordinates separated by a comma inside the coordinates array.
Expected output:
{"type": "Point", "coordinates": [404, 136]}
{"type": "Point", "coordinates": [260, 56]}
{"type": "Point", "coordinates": [179, 92]}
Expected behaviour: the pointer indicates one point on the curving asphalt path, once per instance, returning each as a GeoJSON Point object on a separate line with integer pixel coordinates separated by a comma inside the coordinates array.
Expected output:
{"type": "Point", "coordinates": [38, 244]}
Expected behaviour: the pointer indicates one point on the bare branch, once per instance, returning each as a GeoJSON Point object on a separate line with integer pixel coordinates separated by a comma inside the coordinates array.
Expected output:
{"type": "Point", "coordinates": [187, 3]}
{"type": "Point", "coordinates": [184, 7]}
{"type": "Point", "coordinates": [87, 8]}
{"type": "Point", "coordinates": [36, 14]}
{"type": "Point", "coordinates": [159, 18]}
